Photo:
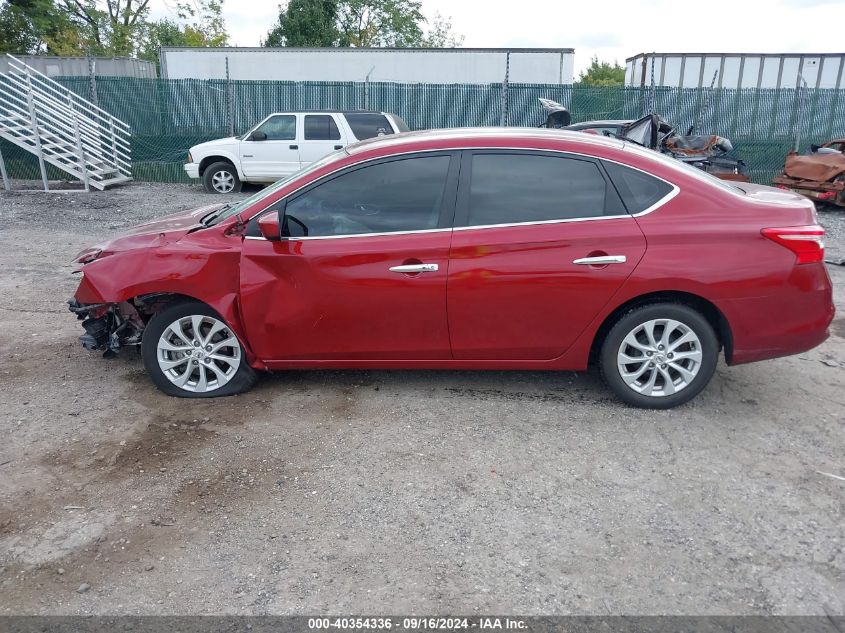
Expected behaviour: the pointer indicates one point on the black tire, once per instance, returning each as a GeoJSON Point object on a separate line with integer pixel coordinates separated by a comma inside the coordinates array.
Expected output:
{"type": "Point", "coordinates": [628, 323]}
{"type": "Point", "coordinates": [214, 172]}
{"type": "Point", "coordinates": [244, 377]}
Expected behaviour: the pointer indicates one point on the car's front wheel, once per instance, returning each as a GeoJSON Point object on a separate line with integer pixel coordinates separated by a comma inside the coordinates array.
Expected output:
{"type": "Point", "coordinates": [189, 351]}
{"type": "Point", "coordinates": [221, 178]}
{"type": "Point", "coordinates": [660, 355]}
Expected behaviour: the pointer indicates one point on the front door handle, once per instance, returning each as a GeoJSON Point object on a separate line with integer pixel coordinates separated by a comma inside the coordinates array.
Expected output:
{"type": "Point", "coordinates": [294, 146]}
{"type": "Point", "coordinates": [415, 268]}
{"type": "Point", "coordinates": [601, 260]}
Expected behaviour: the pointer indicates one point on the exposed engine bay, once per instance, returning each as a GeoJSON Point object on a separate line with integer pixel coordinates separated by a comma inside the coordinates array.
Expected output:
{"type": "Point", "coordinates": [111, 326]}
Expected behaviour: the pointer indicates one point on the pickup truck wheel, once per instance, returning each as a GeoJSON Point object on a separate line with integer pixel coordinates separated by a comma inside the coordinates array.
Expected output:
{"type": "Point", "coordinates": [190, 352]}
{"type": "Point", "coordinates": [221, 178]}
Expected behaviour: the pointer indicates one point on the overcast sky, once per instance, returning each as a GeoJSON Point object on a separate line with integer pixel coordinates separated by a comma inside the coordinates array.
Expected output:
{"type": "Point", "coordinates": [611, 29]}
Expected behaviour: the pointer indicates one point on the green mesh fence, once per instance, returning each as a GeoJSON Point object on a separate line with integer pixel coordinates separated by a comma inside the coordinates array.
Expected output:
{"type": "Point", "coordinates": [167, 117]}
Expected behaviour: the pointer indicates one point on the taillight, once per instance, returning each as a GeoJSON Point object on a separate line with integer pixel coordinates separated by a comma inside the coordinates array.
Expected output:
{"type": "Point", "coordinates": [805, 241]}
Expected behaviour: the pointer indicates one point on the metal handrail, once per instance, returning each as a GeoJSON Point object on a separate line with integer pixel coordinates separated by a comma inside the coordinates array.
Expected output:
{"type": "Point", "coordinates": [51, 121]}
{"type": "Point", "coordinates": [55, 105]}
{"type": "Point", "coordinates": [62, 90]}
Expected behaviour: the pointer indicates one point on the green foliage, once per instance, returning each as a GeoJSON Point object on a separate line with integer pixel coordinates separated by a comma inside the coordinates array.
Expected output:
{"type": "Point", "coordinates": [106, 27]}
{"type": "Point", "coordinates": [34, 27]}
{"type": "Point", "coordinates": [200, 23]}
{"type": "Point", "coordinates": [17, 32]}
{"type": "Point", "coordinates": [602, 74]}
{"type": "Point", "coordinates": [307, 23]}
{"type": "Point", "coordinates": [358, 23]}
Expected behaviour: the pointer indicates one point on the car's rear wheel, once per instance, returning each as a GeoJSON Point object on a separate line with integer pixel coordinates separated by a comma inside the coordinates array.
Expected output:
{"type": "Point", "coordinates": [221, 178]}
{"type": "Point", "coordinates": [190, 351]}
{"type": "Point", "coordinates": [660, 355]}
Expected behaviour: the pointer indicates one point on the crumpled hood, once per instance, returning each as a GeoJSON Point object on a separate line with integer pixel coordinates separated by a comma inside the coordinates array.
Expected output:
{"type": "Point", "coordinates": [169, 228]}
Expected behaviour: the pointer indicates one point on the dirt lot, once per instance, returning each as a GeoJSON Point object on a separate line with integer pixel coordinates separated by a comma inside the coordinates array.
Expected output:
{"type": "Point", "coordinates": [395, 492]}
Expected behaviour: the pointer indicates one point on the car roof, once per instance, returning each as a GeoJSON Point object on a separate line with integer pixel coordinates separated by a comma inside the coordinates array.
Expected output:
{"type": "Point", "coordinates": [329, 111]}
{"type": "Point", "coordinates": [466, 137]}
{"type": "Point", "coordinates": [607, 122]}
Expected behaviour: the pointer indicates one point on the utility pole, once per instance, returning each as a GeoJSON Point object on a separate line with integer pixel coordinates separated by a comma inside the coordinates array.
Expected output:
{"type": "Point", "coordinates": [503, 122]}
{"type": "Point", "coordinates": [230, 114]}
{"type": "Point", "coordinates": [92, 78]}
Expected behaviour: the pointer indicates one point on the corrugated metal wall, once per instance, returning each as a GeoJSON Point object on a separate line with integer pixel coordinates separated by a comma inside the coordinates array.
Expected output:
{"type": "Point", "coordinates": [82, 66]}
{"type": "Point", "coordinates": [735, 70]}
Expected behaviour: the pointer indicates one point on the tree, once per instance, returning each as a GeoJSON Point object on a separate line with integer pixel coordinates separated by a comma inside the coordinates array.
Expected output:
{"type": "Point", "coordinates": [602, 74]}
{"type": "Point", "coordinates": [358, 23]}
{"type": "Point", "coordinates": [394, 23]}
{"type": "Point", "coordinates": [441, 35]}
{"type": "Point", "coordinates": [33, 27]}
{"type": "Point", "coordinates": [109, 27]}
{"type": "Point", "coordinates": [307, 23]}
{"type": "Point", "coordinates": [17, 32]}
{"type": "Point", "coordinates": [198, 24]}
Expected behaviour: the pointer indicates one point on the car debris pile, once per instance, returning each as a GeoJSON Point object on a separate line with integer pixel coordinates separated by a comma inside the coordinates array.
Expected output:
{"type": "Point", "coordinates": [707, 152]}
{"type": "Point", "coordinates": [819, 174]}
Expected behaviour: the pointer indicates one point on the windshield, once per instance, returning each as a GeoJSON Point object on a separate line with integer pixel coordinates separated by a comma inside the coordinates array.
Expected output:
{"type": "Point", "coordinates": [233, 209]}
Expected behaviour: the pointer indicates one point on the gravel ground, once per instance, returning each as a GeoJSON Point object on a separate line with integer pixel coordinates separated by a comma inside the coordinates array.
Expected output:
{"type": "Point", "coordinates": [394, 492]}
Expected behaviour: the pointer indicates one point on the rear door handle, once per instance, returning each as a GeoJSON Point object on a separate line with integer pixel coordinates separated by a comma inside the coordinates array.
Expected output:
{"type": "Point", "coordinates": [601, 260]}
{"type": "Point", "coordinates": [415, 268]}
{"type": "Point", "coordinates": [338, 146]}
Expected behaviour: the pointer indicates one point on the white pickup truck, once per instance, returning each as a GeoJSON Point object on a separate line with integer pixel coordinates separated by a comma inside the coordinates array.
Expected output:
{"type": "Point", "coordinates": [281, 144]}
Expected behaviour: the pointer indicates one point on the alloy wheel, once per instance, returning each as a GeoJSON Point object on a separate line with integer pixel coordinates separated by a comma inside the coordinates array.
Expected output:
{"type": "Point", "coordinates": [198, 353]}
{"type": "Point", "coordinates": [659, 358]}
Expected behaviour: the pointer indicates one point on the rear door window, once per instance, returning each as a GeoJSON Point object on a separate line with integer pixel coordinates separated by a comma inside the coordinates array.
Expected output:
{"type": "Point", "coordinates": [321, 127]}
{"type": "Point", "coordinates": [638, 190]}
{"type": "Point", "coordinates": [516, 188]}
{"type": "Point", "coordinates": [366, 125]}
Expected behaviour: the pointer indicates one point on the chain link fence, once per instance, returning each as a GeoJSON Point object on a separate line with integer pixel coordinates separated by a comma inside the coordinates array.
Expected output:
{"type": "Point", "coordinates": [167, 117]}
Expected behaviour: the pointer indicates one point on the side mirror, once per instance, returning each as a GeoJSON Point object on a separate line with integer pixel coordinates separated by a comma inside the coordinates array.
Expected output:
{"type": "Point", "coordinates": [269, 226]}
{"type": "Point", "coordinates": [258, 136]}
{"type": "Point", "coordinates": [814, 148]}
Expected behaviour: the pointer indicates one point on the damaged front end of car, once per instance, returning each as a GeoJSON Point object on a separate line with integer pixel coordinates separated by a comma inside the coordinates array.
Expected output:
{"type": "Point", "coordinates": [112, 326]}
{"type": "Point", "coordinates": [108, 326]}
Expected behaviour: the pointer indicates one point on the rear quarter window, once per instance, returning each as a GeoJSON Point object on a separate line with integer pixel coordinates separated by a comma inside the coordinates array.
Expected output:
{"type": "Point", "coordinates": [638, 190]}
{"type": "Point", "coordinates": [366, 125]}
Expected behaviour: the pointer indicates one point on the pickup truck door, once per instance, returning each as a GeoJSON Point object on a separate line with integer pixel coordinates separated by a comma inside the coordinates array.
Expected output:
{"type": "Point", "coordinates": [322, 135]}
{"type": "Point", "coordinates": [275, 156]}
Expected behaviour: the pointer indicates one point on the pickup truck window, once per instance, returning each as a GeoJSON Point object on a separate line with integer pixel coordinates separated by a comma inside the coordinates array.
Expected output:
{"type": "Point", "coordinates": [281, 127]}
{"type": "Point", "coordinates": [321, 127]}
{"type": "Point", "coordinates": [366, 125]}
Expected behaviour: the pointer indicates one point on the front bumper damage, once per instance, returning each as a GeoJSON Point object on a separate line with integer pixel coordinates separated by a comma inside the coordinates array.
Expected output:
{"type": "Point", "coordinates": [108, 326]}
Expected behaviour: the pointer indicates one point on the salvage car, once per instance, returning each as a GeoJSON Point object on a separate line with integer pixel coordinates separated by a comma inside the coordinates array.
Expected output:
{"type": "Point", "coordinates": [707, 152]}
{"type": "Point", "coordinates": [500, 248]}
{"type": "Point", "coordinates": [281, 144]}
{"type": "Point", "coordinates": [819, 175]}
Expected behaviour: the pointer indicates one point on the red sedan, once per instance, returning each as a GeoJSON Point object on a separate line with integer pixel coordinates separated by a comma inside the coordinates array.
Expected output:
{"type": "Point", "coordinates": [469, 249]}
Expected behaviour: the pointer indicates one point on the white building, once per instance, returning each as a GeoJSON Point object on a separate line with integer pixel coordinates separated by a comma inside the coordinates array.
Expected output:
{"type": "Point", "coordinates": [401, 65]}
{"type": "Point", "coordinates": [736, 70]}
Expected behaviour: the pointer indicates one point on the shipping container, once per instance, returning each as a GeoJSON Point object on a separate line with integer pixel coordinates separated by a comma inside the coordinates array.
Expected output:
{"type": "Point", "coordinates": [399, 65]}
{"type": "Point", "coordinates": [85, 66]}
{"type": "Point", "coordinates": [736, 70]}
